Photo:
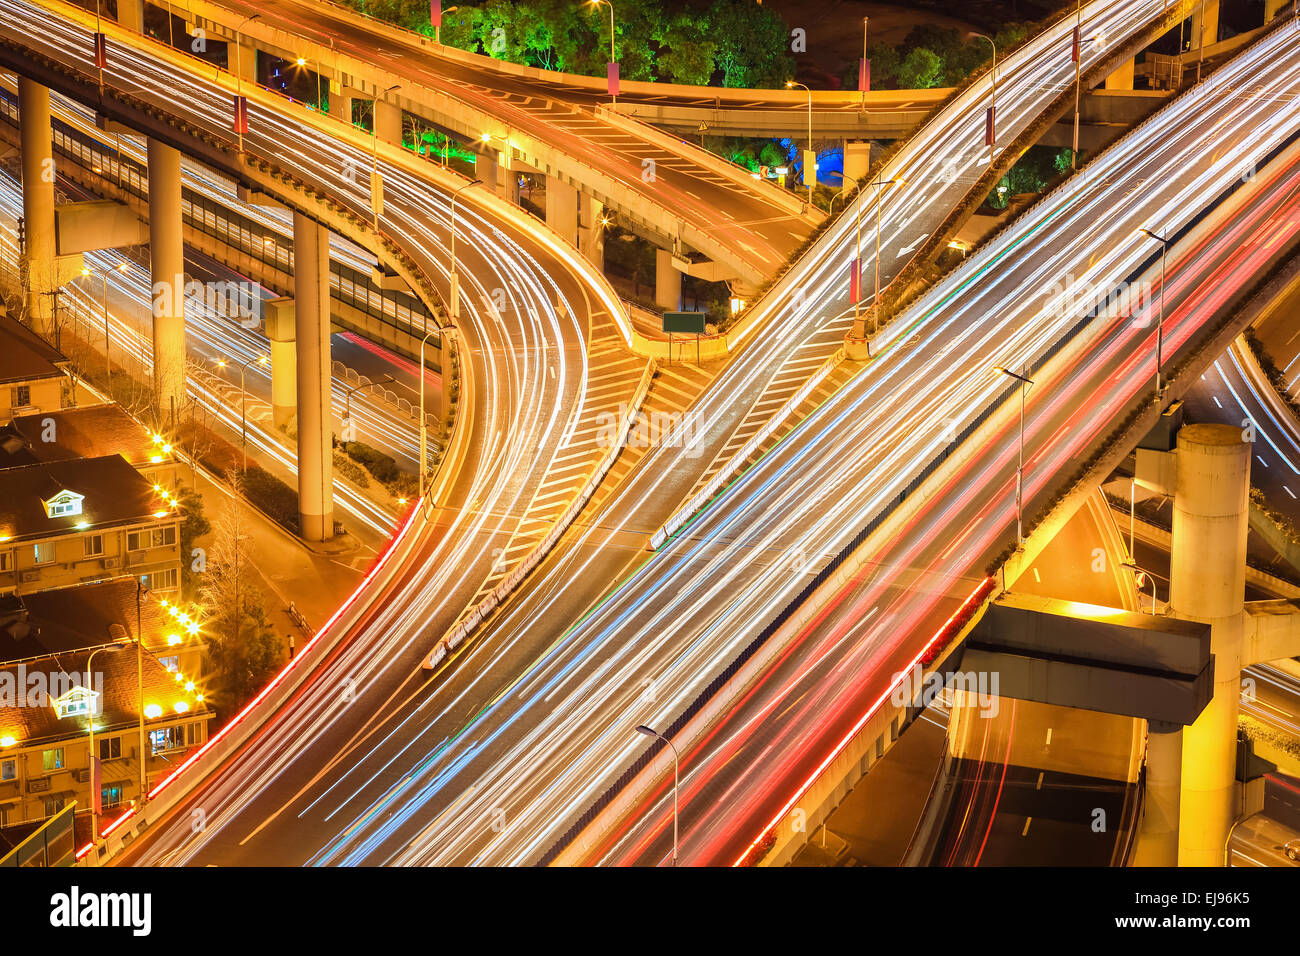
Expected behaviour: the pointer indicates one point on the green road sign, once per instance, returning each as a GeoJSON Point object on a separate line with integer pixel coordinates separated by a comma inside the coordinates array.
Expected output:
{"type": "Point", "coordinates": [685, 322]}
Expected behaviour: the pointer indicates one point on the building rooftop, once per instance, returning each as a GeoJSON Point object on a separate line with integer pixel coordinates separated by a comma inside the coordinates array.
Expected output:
{"type": "Point", "coordinates": [63, 497]}
{"type": "Point", "coordinates": [24, 356]}
{"type": "Point", "coordinates": [75, 618]}
{"type": "Point", "coordinates": [88, 431]}
{"type": "Point", "coordinates": [30, 717]}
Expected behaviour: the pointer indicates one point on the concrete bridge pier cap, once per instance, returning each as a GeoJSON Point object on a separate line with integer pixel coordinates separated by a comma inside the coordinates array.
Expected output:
{"type": "Point", "coordinates": [1208, 583]}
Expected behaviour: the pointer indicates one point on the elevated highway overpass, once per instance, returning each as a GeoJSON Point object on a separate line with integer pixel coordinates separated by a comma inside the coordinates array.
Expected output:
{"type": "Point", "coordinates": [933, 178]}
{"type": "Point", "coordinates": [833, 660]}
{"type": "Point", "coordinates": [516, 413]}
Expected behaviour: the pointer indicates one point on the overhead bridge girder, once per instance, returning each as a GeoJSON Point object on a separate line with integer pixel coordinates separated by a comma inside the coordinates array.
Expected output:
{"type": "Point", "coordinates": [1095, 658]}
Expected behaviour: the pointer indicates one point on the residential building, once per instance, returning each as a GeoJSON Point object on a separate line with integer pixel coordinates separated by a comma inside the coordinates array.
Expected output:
{"type": "Point", "coordinates": [65, 523]}
{"type": "Point", "coordinates": [32, 373]}
{"type": "Point", "coordinates": [89, 431]}
{"type": "Point", "coordinates": [46, 705]}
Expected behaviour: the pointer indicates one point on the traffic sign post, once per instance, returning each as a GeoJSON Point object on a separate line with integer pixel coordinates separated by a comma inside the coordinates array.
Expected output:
{"type": "Point", "coordinates": [686, 323]}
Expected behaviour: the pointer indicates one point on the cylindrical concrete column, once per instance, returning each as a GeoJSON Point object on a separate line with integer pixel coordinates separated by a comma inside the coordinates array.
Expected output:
{"type": "Point", "coordinates": [1122, 78]}
{"type": "Point", "coordinates": [167, 260]}
{"type": "Point", "coordinates": [241, 60]}
{"type": "Point", "coordinates": [1208, 583]}
{"type": "Point", "coordinates": [668, 282]}
{"type": "Point", "coordinates": [388, 121]}
{"type": "Point", "coordinates": [1205, 24]}
{"type": "Point", "coordinates": [562, 208]}
{"type": "Point", "coordinates": [340, 103]}
{"type": "Point", "coordinates": [506, 183]}
{"type": "Point", "coordinates": [280, 330]}
{"type": "Point", "coordinates": [312, 318]}
{"type": "Point", "coordinates": [1157, 837]}
{"type": "Point", "coordinates": [857, 160]}
{"type": "Point", "coordinates": [591, 232]}
{"type": "Point", "coordinates": [130, 14]}
{"type": "Point", "coordinates": [38, 202]}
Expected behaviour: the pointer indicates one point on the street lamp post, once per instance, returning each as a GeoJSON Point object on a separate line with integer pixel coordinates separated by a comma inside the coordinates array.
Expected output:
{"type": "Point", "coordinates": [424, 421]}
{"type": "Point", "coordinates": [791, 84]}
{"type": "Point", "coordinates": [864, 63]}
{"type": "Point", "coordinates": [455, 276]}
{"type": "Point", "coordinates": [1160, 321]}
{"type": "Point", "coordinates": [347, 397]}
{"type": "Point", "coordinates": [103, 274]}
{"type": "Point", "coordinates": [140, 592]}
{"type": "Point", "coordinates": [92, 762]}
{"type": "Point", "coordinates": [612, 57]}
{"type": "Point", "coordinates": [1025, 384]}
{"type": "Point", "coordinates": [1139, 574]}
{"type": "Point", "coordinates": [993, 106]}
{"type": "Point", "coordinates": [859, 330]}
{"type": "Point", "coordinates": [1078, 79]}
{"type": "Point", "coordinates": [651, 732]}
{"type": "Point", "coordinates": [1200, 44]}
{"type": "Point", "coordinates": [243, 405]}
{"type": "Point", "coordinates": [239, 77]}
{"type": "Point", "coordinates": [374, 148]}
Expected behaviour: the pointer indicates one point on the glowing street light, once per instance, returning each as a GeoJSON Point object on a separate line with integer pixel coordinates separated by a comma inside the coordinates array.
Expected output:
{"type": "Point", "coordinates": [613, 60]}
{"type": "Point", "coordinates": [1025, 384]}
{"type": "Point", "coordinates": [809, 156]}
{"type": "Point", "coordinates": [1160, 322]}
{"type": "Point", "coordinates": [243, 404]}
{"type": "Point", "coordinates": [651, 732]}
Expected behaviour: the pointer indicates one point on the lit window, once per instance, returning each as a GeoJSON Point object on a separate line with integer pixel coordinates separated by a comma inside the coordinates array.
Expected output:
{"type": "Point", "coordinates": [43, 553]}
{"type": "Point", "coordinates": [79, 700]}
{"type": "Point", "coordinates": [8, 769]}
{"type": "Point", "coordinates": [52, 760]}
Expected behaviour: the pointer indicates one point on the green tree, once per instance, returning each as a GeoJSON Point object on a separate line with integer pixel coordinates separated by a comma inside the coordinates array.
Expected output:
{"type": "Point", "coordinates": [686, 53]}
{"type": "Point", "coordinates": [241, 666]}
{"type": "Point", "coordinates": [922, 68]}
{"type": "Point", "coordinates": [194, 526]}
{"type": "Point", "coordinates": [242, 650]}
{"type": "Point", "coordinates": [753, 45]}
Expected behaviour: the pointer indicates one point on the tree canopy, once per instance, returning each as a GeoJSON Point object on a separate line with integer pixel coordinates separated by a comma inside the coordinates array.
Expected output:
{"type": "Point", "coordinates": [733, 42]}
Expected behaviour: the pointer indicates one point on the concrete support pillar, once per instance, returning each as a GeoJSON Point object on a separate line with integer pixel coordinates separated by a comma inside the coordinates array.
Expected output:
{"type": "Point", "coordinates": [1122, 78]}
{"type": "Point", "coordinates": [562, 208]}
{"type": "Point", "coordinates": [857, 160]}
{"type": "Point", "coordinates": [38, 202]}
{"type": "Point", "coordinates": [340, 102]}
{"type": "Point", "coordinates": [591, 231]}
{"type": "Point", "coordinates": [242, 61]}
{"type": "Point", "coordinates": [1205, 24]}
{"type": "Point", "coordinates": [388, 121]}
{"type": "Point", "coordinates": [506, 181]}
{"type": "Point", "coordinates": [668, 282]}
{"type": "Point", "coordinates": [486, 169]}
{"type": "Point", "coordinates": [1208, 583]}
{"type": "Point", "coordinates": [130, 14]}
{"type": "Point", "coordinates": [280, 329]}
{"type": "Point", "coordinates": [1157, 838]}
{"type": "Point", "coordinates": [167, 260]}
{"type": "Point", "coordinates": [312, 318]}
{"type": "Point", "coordinates": [1273, 7]}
